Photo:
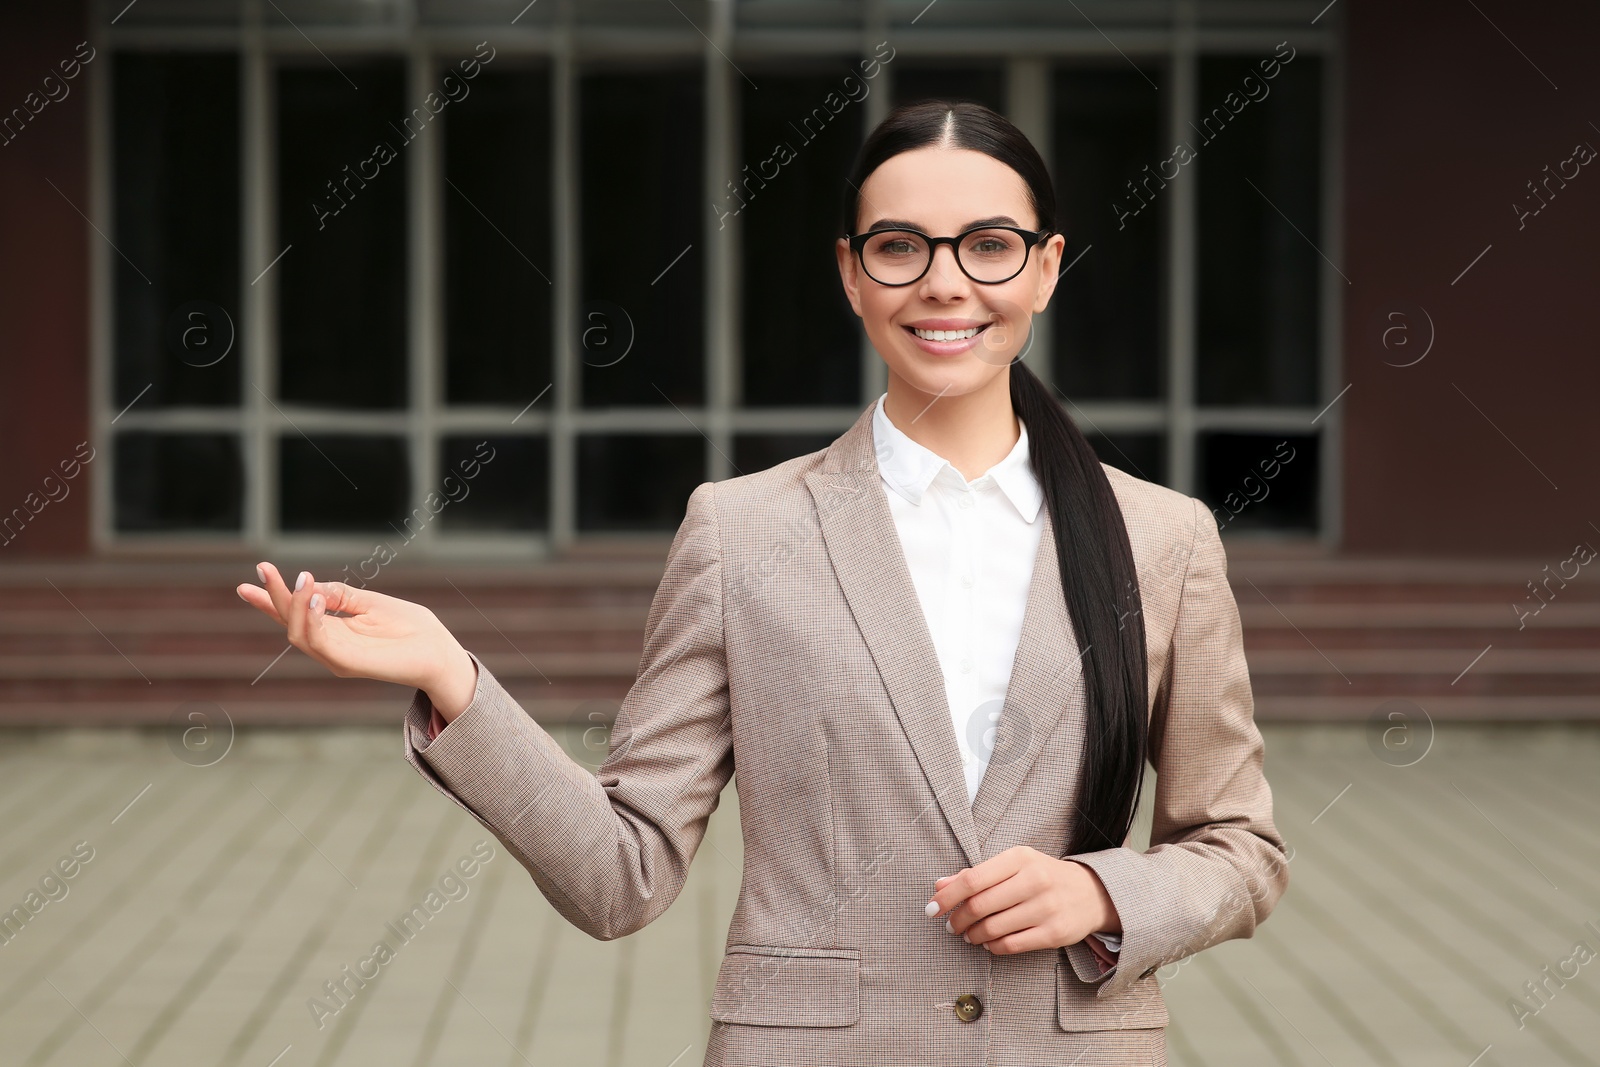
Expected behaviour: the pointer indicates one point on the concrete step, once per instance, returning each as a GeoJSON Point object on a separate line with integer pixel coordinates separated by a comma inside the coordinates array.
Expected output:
{"type": "Point", "coordinates": [1327, 638]}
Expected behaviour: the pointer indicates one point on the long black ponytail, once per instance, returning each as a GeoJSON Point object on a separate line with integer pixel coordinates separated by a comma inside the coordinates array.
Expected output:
{"type": "Point", "coordinates": [1098, 577]}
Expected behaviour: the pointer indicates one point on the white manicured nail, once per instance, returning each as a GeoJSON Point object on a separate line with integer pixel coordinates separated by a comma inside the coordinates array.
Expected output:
{"type": "Point", "coordinates": [300, 582]}
{"type": "Point", "coordinates": [948, 928]}
{"type": "Point", "coordinates": [932, 909]}
{"type": "Point", "coordinates": [261, 574]}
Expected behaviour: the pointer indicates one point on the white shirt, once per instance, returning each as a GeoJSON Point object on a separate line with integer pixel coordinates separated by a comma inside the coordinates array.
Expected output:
{"type": "Point", "coordinates": [970, 548]}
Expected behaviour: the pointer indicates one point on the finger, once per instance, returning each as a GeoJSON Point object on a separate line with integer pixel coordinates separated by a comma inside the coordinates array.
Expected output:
{"type": "Point", "coordinates": [964, 883]}
{"type": "Point", "coordinates": [1011, 893]}
{"type": "Point", "coordinates": [1007, 921]}
{"type": "Point", "coordinates": [273, 583]}
{"type": "Point", "coordinates": [314, 633]}
{"type": "Point", "coordinates": [258, 598]}
{"type": "Point", "coordinates": [299, 609]}
{"type": "Point", "coordinates": [1028, 939]}
{"type": "Point", "coordinates": [337, 596]}
{"type": "Point", "coordinates": [948, 891]}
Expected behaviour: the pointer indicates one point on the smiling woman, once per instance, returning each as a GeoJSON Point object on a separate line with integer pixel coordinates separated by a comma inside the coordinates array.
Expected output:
{"type": "Point", "coordinates": [940, 653]}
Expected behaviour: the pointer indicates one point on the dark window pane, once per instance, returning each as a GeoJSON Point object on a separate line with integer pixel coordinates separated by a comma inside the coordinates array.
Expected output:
{"type": "Point", "coordinates": [1143, 455]}
{"type": "Point", "coordinates": [801, 342]}
{"type": "Point", "coordinates": [178, 481]}
{"type": "Point", "coordinates": [342, 157]}
{"type": "Point", "coordinates": [757, 452]}
{"type": "Point", "coordinates": [1260, 481]}
{"type": "Point", "coordinates": [175, 183]}
{"type": "Point", "coordinates": [637, 481]}
{"type": "Point", "coordinates": [640, 236]}
{"type": "Point", "coordinates": [1110, 305]}
{"type": "Point", "coordinates": [342, 483]}
{"type": "Point", "coordinates": [495, 483]}
{"type": "Point", "coordinates": [1258, 284]}
{"type": "Point", "coordinates": [983, 83]}
{"type": "Point", "coordinates": [497, 267]}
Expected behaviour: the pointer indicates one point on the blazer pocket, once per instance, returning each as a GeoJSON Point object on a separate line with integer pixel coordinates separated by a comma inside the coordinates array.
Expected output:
{"type": "Point", "coordinates": [1077, 1008]}
{"type": "Point", "coordinates": [777, 985]}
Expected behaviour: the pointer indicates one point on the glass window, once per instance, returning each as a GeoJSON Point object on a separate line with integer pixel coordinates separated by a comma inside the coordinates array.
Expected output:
{"type": "Point", "coordinates": [800, 132]}
{"type": "Point", "coordinates": [343, 483]}
{"type": "Point", "coordinates": [1109, 306]}
{"type": "Point", "coordinates": [342, 132]}
{"type": "Point", "coordinates": [178, 482]}
{"type": "Point", "coordinates": [498, 262]}
{"type": "Point", "coordinates": [642, 211]}
{"type": "Point", "coordinates": [756, 452]}
{"type": "Point", "coordinates": [1257, 144]}
{"type": "Point", "coordinates": [175, 182]}
{"type": "Point", "coordinates": [637, 481]}
{"type": "Point", "coordinates": [495, 483]}
{"type": "Point", "coordinates": [1143, 455]}
{"type": "Point", "coordinates": [342, 157]}
{"type": "Point", "coordinates": [1256, 481]}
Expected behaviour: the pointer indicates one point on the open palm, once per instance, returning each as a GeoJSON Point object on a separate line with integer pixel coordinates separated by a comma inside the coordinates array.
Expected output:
{"type": "Point", "coordinates": [373, 636]}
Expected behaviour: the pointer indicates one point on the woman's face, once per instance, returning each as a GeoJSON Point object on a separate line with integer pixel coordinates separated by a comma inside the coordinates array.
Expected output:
{"type": "Point", "coordinates": [943, 191]}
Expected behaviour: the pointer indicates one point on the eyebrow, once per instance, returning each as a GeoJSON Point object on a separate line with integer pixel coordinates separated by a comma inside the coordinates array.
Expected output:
{"type": "Point", "coordinates": [902, 224]}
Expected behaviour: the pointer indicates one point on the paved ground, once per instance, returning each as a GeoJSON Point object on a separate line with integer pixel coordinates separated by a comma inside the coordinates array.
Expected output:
{"type": "Point", "coordinates": [217, 901]}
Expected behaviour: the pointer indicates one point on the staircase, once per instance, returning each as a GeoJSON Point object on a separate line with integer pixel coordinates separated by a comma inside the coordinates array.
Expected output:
{"type": "Point", "coordinates": [1333, 638]}
{"type": "Point", "coordinates": [142, 643]}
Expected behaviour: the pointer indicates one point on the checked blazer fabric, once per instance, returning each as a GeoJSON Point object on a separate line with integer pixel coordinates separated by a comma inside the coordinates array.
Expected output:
{"type": "Point", "coordinates": [786, 642]}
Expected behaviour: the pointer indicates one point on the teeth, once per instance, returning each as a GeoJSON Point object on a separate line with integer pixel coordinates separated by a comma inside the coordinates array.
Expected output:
{"type": "Point", "coordinates": [946, 335]}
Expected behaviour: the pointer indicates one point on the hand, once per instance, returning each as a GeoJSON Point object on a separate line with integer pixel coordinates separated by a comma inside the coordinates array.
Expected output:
{"type": "Point", "coordinates": [380, 636]}
{"type": "Point", "coordinates": [1022, 900]}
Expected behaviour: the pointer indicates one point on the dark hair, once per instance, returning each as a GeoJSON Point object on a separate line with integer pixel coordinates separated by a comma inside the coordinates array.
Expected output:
{"type": "Point", "coordinates": [1096, 559]}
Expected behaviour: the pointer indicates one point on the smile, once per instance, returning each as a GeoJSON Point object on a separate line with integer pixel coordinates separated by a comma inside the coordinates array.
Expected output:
{"type": "Point", "coordinates": [948, 335]}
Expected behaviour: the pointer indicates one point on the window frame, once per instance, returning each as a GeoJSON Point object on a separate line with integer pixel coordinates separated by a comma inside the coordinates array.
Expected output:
{"type": "Point", "coordinates": [1193, 28]}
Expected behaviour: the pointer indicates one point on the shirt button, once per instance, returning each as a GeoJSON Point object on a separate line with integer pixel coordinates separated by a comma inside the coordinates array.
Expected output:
{"type": "Point", "coordinates": [966, 581]}
{"type": "Point", "coordinates": [966, 666]}
{"type": "Point", "coordinates": [966, 500]}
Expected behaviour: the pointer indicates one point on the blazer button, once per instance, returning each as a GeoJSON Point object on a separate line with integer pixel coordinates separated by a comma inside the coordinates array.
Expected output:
{"type": "Point", "coordinates": [1148, 971]}
{"type": "Point", "coordinates": [968, 1007]}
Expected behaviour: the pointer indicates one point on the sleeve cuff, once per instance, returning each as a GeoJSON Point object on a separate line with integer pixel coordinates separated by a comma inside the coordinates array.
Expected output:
{"type": "Point", "coordinates": [1104, 955]}
{"type": "Point", "coordinates": [437, 723]}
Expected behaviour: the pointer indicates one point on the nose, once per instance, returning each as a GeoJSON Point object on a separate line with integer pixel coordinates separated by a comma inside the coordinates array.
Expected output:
{"type": "Point", "coordinates": [944, 280]}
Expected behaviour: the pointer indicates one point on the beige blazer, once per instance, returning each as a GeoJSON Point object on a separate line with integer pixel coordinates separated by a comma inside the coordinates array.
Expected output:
{"type": "Point", "coordinates": [786, 642]}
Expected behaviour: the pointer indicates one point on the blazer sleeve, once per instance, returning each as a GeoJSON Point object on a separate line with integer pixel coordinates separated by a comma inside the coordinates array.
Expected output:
{"type": "Point", "coordinates": [1216, 865]}
{"type": "Point", "coordinates": [610, 849]}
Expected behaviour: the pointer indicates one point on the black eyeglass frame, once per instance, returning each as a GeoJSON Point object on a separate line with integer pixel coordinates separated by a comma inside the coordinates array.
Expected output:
{"type": "Point", "coordinates": [1035, 237]}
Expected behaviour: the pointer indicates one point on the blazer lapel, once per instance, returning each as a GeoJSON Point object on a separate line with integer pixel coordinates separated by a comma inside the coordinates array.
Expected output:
{"type": "Point", "coordinates": [864, 545]}
{"type": "Point", "coordinates": [1046, 685]}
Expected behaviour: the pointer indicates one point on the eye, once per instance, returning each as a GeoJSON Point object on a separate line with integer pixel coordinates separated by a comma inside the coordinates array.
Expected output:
{"type": "Point", "coordinates": [895, 244]}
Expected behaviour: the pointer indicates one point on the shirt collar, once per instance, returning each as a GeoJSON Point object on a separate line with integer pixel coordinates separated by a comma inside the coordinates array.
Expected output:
{"type": "Point", "coordinates": [909, 468]}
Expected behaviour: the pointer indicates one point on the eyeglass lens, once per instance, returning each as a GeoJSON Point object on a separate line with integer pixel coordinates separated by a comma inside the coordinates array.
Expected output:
{"type": "Point", "coordinates": [895, 257]}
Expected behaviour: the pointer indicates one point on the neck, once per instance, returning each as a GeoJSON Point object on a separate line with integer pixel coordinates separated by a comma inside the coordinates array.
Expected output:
{"type": "Point", "coordinates": [974, 431]}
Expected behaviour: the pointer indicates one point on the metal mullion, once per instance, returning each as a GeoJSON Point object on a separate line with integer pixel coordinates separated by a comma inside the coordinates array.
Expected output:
{"type": "Point", "coordinates": [102, 297]}
{"type": "Point", "coordinates": [1252, 419]}
{"type": "Point", "coordinates": [722, 292]}
{"type": "Point", "coordinates": [875, 26]}
{"type": "Point", "coordinates": [424, 365]}
{"type": "Point", "coordinates": [1331, 490]}
{"type": "Point", "coordinates": [258, 187]}
{"type": "Point", "coordinates": [1028, 105]}
{"type": "Point", "coordinates": [562, 448]}
{"type": "Point", "coordinates": [1181, 237]}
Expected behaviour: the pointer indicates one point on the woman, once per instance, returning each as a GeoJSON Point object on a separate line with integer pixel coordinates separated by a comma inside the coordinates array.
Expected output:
{"type": "Point", "coordinates": [843, 629]}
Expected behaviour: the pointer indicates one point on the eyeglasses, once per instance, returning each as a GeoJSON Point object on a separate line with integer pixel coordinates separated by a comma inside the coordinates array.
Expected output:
{"type": "Point", "coordinates": [988, 255]}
